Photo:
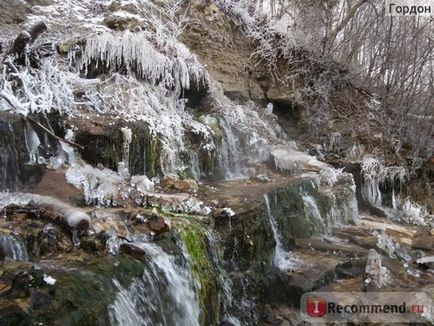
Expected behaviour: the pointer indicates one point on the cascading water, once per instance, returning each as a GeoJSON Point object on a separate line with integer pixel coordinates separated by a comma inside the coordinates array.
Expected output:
{"type": "Point", "coordinates": [283, 259]}
{"type": "Point", "coordinates": [13, 248]}
{"type": "Point", "coordinates": [313, 211]}
{"type": "Point", "coordinates": [229, 153]}
{"type": "Point", "coordinates": [165, 295]}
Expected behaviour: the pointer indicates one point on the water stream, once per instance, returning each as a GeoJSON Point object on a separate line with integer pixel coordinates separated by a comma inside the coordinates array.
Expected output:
{"type": "Point", "coordinates": [283, 259]}
{"type": "Point", "coordinates": [165, 295]}
{"type": "Point", "coordinates": [13, 248]}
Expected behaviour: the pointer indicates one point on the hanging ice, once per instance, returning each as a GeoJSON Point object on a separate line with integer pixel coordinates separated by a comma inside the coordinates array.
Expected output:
{"type": "Point", "coordinates": [32, 144]}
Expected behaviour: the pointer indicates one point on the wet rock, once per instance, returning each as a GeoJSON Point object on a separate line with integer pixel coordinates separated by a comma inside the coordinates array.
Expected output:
{"type": "Point", "coordinates": [14, 172]}
{"type": "Point", "coordinates": [351, 269]}
{"type": "Point", "coordinates": [223, 215]}
{"type": "Point", "coordinates": [345, 249]}
{"type": "Point", "coordinates": [122, 21]}
{"type": "Point", "coordinates": [423, 241]}
{"type": "Point", "coordinates": [320, 270]}
{"type": "Point", "coordinates": [5, 288]}
{"type": "Point", "coordinates": [133, 251]}
{"type": "Point", "coordinates": [40, 300]}
{"type": "Point", "coordinates": [186, 185]}
{"type": "Point", "coordinates": [169, 181]}
{"type": "Point", "coordinates": [21, 281]}
{"type": "Point", "coordinates": [158, 225]}
{"type": "Point", "coordinates": [13, 11]}
{"type": "Point", "coordinates": [271, 320]}
{"type": "Point", "coordinates": [94, 243]}
{"type": "Point", "coordinates": [11, 313]}
{"type": "Point", "coordinates": [129, 7]}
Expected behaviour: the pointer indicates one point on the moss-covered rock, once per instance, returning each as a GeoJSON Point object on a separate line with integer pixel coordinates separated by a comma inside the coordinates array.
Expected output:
{"type": "Point", "coordinates": [81, 294]}
{"type": "Point", "coordinates": [195, 240]}
{"type": "Point", "coordinates": [103, 144]}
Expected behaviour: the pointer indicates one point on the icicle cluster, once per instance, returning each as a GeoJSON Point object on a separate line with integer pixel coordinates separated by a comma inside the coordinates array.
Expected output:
{"type": "Point", "coordinates": [376, 173]}
{"type": "Point", "coordinates": [172, 66]}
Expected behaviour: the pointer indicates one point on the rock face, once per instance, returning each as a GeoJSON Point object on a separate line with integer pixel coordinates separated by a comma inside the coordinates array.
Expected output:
{"type": "Point", "coordinates": [14, 155]}
{"type": "Point", "coordinates": [13, 11]}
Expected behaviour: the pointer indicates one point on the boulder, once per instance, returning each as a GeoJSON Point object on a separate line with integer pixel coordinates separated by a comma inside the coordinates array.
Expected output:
{"type": "Point", "coordinates": [133, 251]}
{"type": "Point", "coordinates": [169, 180]}
{"type": "Point", "coordinates": [186, 185]}
{"type": "Point", "coordinates": [158, 225]}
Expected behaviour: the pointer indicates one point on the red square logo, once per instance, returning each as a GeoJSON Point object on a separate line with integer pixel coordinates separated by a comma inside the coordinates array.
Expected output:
{"type": "Point", "coordinates": [316, 307]}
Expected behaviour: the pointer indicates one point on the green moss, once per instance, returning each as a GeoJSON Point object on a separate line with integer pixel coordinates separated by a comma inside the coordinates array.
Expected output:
{"type": "Point", "coordinates": [196, 242]}
{"type": "Point", "coordinates": [209, 166]}
{"type": "Point", "coordinates": [294, 218]}
{"type": "Point", "coordinates": [214, 124]}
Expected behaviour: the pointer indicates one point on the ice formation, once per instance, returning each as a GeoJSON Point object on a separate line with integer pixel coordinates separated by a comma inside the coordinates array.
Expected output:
{"type": "Point", "coordinates": [32, 144]}
{"type": "Point", "coordinates": [376, 274]}
{"type": "Point", "coordinates": [171, 64]}
{"type": "Point", "coordinates": [292, 161]}
{"type": "Point", "coordinates": [375, 173]}
{"type": "Point", "coordinates": [49, 280]}
{"type": "Point", "coordinates": [43, 90]}
{"type": "Point", "coordinates": [408, 211]}
{"type": "Point", "coordinates": [142, 183]}
{"type": "Point", "coordinates": [74, 217]}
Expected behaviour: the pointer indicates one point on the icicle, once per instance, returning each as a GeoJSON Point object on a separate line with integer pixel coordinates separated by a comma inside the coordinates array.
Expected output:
{"type": "Point", "coordinates": [32, 144]}
{"type": "Point", "coordinates": [127, 138]}
{"type": "Point", "coordinates": [139, 56]}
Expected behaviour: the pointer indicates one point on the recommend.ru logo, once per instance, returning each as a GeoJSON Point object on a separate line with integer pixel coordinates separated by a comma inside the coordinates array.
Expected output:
{"type": "Point", "coordinates": [316, 306]}
{"type": "Point", "coordinates": [367, 307]}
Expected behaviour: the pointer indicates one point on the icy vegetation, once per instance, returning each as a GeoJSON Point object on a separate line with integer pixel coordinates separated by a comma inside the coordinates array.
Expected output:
{"type": "Point", "coordinates": [44, 89]}
{"type": "Point", "coordinates": [407, 211]}
{"type": "Point", "coordinates": [375, 173]}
